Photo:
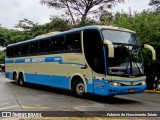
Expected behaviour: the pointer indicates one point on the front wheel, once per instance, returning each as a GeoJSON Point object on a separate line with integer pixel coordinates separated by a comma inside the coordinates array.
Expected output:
{"type": "Point", "coordinates": [79, 89]}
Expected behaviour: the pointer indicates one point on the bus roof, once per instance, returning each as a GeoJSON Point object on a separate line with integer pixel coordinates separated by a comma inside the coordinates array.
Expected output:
{"type": "Point", "coordinates": [70, 31]}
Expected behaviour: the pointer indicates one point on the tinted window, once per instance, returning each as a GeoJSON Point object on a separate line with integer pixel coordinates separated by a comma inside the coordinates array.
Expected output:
{"type": "Point", "coordinates": [25, 49]}
{"type": "Point", "coordinates": [54, 44]}
{"type": "Point", "coordinates": [69, 42]}
{"type": "Point", "coordinates": [9, 51]}
{"type": "Point", "coordinates": [33, 47]}
{"type": "Point", "coordinates": [73, 42]}
{"type": "Point", "coordinates": [93, 50]}
{"type": "Point", "coordinates": [17, 50]}
{"type": "Point", "coordinates": [57, 44]}
{"type": "Point", "coordinates": [44, 45]}
{"type": "Point", "coordinates": [77, 41]}
{"type": "Point", "coordinates": [60, 43]}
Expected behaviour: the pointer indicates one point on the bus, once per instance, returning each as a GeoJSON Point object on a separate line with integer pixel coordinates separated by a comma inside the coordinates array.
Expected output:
{"type": "Point", "coordinates": [102, 60]}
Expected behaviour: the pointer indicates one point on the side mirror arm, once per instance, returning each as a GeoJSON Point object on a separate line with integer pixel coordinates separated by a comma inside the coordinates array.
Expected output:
{"type": "Point", "coordinates": [110, 48]}
{"type": "Point", "coordinates": [152, 50]}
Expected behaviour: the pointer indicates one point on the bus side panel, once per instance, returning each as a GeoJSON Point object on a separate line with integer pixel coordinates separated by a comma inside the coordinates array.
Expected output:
{"type": "Point", "coordinates": [100, 87]}
{"type": "Point", "coordinates": [9, 75]}
{"type": "Point", "coordinates": [49, 80]}
{"type": "Point", "coordinates": [89, 84]}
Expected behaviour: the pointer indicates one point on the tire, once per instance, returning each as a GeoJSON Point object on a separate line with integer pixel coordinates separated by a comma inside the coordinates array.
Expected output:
{"type": "Point", "coordinates": [21, 81]}
{"type": "Point", "coordinates": [79, 89]}
{"type": "Point", "coordinates": [15, 78]}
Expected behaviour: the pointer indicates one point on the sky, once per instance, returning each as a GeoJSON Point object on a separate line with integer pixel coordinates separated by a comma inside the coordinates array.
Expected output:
{"type": "Point", "coordinates": [11, 11]}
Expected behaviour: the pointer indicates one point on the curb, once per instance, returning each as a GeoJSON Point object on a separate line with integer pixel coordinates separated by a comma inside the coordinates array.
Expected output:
{"type": "Point", "coordinates": [152, 91]}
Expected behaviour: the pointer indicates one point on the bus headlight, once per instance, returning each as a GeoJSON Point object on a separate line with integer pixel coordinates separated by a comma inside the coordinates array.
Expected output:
{"type": "Point", "coordinates": [114, 83]}
{"type": "Point", "coordinates": [143, 82]}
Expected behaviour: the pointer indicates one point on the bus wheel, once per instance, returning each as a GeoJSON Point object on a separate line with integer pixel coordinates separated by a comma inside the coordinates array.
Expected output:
{"type": "Point", "coordinates": [21, 81]}
{"type": "Point", "coordinates": [79, 89]}
{"type": "Point", "coordinates": [15, 78]}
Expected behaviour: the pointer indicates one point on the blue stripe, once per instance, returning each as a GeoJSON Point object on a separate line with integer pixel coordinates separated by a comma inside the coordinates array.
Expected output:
{"type": "Point", "coordinates": [41, 60]}
{"type": "Point", "coordinates": [20, 61]}
{"type": "Point", "coordinates": [49, 80]}
{"type": "Point", "coordinates": [8, 61]}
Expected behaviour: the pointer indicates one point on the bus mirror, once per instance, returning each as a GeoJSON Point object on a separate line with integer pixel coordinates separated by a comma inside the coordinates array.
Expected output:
{"type": "Point", "coordinates": [110, 48]}
{"type": "Point", "coordinates": [152, 50]}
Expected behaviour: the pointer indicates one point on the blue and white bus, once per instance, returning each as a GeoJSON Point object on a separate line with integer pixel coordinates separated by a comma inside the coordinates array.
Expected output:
{"type": "Point", "coordinates": [101, 60]}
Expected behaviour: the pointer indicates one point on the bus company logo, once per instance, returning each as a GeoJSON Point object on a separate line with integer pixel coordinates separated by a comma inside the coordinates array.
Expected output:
{"type": "Point", "coordinates": [128, 71]}
{"type": "Point", "coordinates": [34, 60]}
{"type": "Point", "coordinates": [102, 88]}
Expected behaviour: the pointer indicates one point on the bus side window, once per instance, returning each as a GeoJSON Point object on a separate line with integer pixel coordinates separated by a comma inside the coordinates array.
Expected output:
{"type": "Point", "coordinates": [17, 50]}
{"type": "Point", "coordinates": [68, 42]}
{"type": "Point", "coordinates": [25, 49]}
{"type": "Point", "coordinates": [54, 46]}
{"type": "Point", "coordinates": [47, 45]}
{"type": "Point", "coordinates": [77, 41]}
{"type": "Point", "coordinates": [44, 45]}
{"type": "Point", "coordinates": [60, 43]}
{"type": "Point", "coordinates": [94, 50]}
{"type": "Point", "coordinates": [33, 48]}
{"type": "Point", "coordinates": [9, 52]}
{"type": "Point", "coordinates": [41, 46]}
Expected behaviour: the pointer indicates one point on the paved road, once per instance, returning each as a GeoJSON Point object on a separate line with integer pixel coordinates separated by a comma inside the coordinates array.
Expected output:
{"type": "Point", "coordinates": [41, 98]}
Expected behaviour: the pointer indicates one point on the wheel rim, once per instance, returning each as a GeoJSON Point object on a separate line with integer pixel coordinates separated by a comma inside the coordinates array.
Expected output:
{"type": "Point", "coordinates": [16, 79]}
{"type": "Point", "coordinates": [21, 82]}
{"type": "Point", "coordinates": [80, 88]}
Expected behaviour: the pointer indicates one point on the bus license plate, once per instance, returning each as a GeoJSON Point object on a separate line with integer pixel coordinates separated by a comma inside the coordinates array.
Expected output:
{"type": "Point", "coordinates": [131, 91]}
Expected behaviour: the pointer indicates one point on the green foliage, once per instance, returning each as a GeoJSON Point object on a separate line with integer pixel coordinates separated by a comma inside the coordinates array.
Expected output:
{"type": "Point", "coordinates": [17, 36]}
{"type": "Point", "coordinates": [2, 56]}
{"type": "Point", "coordinates": [26, 25]}
{"type": "Point", "coordinates": [146, 24]}
{"type": "Point", "coordinates": [4, 36]}
{"type": "Point", "coordinates": [58, 24]}
{"type": "Point", "coordinates": [31, 30]}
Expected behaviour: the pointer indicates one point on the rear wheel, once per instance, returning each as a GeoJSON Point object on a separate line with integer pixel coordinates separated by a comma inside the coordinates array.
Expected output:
{"type": "Point", "coordinates": [79, 88]}
{"type": "Point", "coordinates": [21, 81]}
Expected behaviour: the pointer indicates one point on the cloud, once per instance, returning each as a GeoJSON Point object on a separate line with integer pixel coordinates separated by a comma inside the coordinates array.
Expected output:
{"type": "Point", "coordinates": [11, 11]}
{"type": "Point", "coordinates": [135, 5]}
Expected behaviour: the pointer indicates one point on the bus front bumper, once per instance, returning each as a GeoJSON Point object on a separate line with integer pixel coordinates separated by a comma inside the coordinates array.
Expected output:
{"type": "Point", "coordinates": [119, 90]}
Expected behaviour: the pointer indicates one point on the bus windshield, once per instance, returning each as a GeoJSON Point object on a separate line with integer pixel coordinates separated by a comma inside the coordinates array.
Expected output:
{"type": "Point", "coordinates": [116, 36]}
{"type": "Point", "coordinates": [128, 58]}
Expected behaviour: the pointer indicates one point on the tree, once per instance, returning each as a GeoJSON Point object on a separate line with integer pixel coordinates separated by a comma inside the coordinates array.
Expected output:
{"type": "Point", "coordinates": [17, 36]}
{"type": "Point", "coordinates": [26, 25]}
{"type": "Point", "coordinates": [4, 36]}
{"type": "Point", "coordinates": [2, 56]}
{"type": "Point", "coordinates": [80, 8]}
{"type": "Point", "coordinates": [155, 4]}
{"type": "Point", "coordinates": [58, 24]}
